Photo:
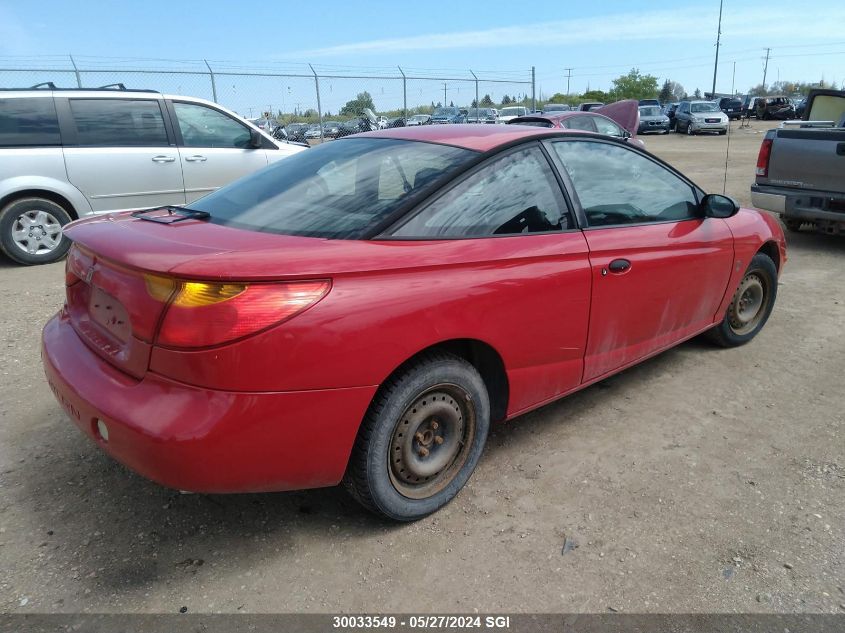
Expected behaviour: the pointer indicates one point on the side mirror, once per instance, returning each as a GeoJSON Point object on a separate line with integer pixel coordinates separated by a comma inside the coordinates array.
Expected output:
{"type": "Point", "coordinates": [255, 139]}
{"type": "Point", "coordinates": [714, 205]}
{"type": "Point", "coordinates": [626, 134]}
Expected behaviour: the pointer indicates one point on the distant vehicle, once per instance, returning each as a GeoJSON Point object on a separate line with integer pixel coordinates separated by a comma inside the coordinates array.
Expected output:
{"type": "Point", "coordinates": [447, 115]}
{"type": "Point", "coordinates": [652, 120]}
{"type": "Point", "coordinates": [590, 105]}
{"type": "Point", "coordinates": [800, 106]}
{"type": "Point", "coordinates": [694, 117]}
{"type": "Point", "coordinates": [799, 167]}
{"type": "Point", "coordinates": [382, 122]}
{"type": "Point", "coordinates": [418, 119]}
{"type": "Point", "coordinates": [349, 127]}
{"type": "Point", "coordinates": [731, 106]}
{"type": "Point", "coordinates": [511, 112]}
{"type": "Point", "coordinates": [67, 154]}
{"type": "Point", "coordinates": [331, 128]}
{"type": "Point", "coordinates": [620, 121]}
{"type": "Point", "coordinates": [555, 107]}
{"type": "Point", "coordinates": [296, 131]}
{"type": "Point", "coordinates": [779, 107]}
{"type": "Point", "coordinates": [313, 131]}
{"type": "Point", "coordinates": [649, 102]}
{"type": "Point", "coordinates": [669, 110]}
{"type": "Point", "coordinates": [396, 122]}
{"type": "Point", "coordinates": [749, 107]}
{"type": "Point", "coordinates": [481, 115]}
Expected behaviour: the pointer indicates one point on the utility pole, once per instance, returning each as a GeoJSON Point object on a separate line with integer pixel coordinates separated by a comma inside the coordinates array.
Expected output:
{"type": "Point", "coordinates": [766, 68]}
{"type": "Point", "coordinates": [568, 77]}
{"type": "Point", "coordinates": [716, 63]}
{"type": "Point", "coordinates": [444, 94]}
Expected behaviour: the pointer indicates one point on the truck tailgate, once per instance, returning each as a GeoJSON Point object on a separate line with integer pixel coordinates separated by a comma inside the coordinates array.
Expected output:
{"type": "Point", "coordinates": [807, 159]}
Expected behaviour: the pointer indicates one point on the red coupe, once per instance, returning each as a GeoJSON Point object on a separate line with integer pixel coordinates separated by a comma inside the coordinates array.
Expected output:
{"type": "Point", "coordinates": [361, 312]}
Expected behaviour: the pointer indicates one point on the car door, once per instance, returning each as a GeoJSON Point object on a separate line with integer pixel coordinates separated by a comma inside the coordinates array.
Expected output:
{"type": "Point", "coordinates": [120, 153]}
{"type": "Point", "coordinates": [659, 269]}
{"type": "Point", "coordinates": [531, 275]}
{"type": "Point", "coordinates": [214, 148]}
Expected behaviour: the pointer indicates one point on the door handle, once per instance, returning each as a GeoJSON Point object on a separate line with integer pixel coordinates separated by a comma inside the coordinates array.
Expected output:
{"type": "Point", "coordinates": [619, 265]}
{"type": "Point", "coordinates": [163, 159]}
{"type": "Point", "coordinates": [196, 158]}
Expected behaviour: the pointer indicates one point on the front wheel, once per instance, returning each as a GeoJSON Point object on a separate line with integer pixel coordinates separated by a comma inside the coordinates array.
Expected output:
{"type": "Point", "coordinates": [690, 131]}
{"type": "Point", "coordinates": [421, 438]}
{"type": "Point", "coordinates": [751, 305]}
{"type": "Point", "coordinates": [31, 231]}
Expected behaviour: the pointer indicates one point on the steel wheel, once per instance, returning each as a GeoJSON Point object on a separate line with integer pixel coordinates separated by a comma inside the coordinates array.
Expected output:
{"type": "Point", "coordinates": [429, 444]}
{"type": "Point", "coordinates": [37, 232]}
{"type": "Point", "coordinates": [746, 309]}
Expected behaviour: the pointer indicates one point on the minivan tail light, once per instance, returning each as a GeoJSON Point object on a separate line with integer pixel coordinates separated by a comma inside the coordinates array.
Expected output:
{"type": "Point", "coordinates": [763, 157]}
{"type": "Point", "coordinates": [203, 314]}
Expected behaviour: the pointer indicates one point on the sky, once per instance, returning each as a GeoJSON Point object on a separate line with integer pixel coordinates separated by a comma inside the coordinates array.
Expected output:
{"type": "Point", "coordinates": [497, 39]}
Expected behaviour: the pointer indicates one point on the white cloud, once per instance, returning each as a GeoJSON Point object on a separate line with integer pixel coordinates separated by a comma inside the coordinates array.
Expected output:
{"type": "Point", "coordinates": [658, 25]}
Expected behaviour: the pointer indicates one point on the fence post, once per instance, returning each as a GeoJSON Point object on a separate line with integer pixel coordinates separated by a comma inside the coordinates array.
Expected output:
{"type": "Point", "coordinates": [213, 84]}
{"type": "Point", "coordinates": [76, 71]}
{"type": "Point", "coordinates": [477, 104]}
{"type": "Point", "coordinates": [533, 94]}
{"type": "Point", "coordinates": [404, 94]}
{"type": "Point", "coordinates": [319, 107]}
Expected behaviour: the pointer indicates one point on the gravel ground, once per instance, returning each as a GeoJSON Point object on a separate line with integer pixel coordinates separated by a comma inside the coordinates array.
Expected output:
{"type": "Point", "coordinates": [702, 480]}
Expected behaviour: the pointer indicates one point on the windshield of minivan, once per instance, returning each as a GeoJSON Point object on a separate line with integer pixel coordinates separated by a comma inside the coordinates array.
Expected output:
{"type": "Point", "coordinates": [704, 107]}
{"type": "Point", "coordinates": [337, 190]}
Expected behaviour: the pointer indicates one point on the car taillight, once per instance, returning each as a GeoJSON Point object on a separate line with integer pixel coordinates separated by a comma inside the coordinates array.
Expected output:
{"type": "Point", "coordinates": [203, 314]}
{"type": "Point", "coordinates": [763, 157]}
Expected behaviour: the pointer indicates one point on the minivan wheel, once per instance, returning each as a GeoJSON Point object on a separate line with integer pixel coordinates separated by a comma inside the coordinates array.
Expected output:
{"type": "Point", "coordinates": [421, 438]}
{"type": "Point", "coordinates": [31, 231]}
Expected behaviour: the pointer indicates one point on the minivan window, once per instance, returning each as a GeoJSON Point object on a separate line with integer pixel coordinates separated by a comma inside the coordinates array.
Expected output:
{"type": "Point", "coordinates": [337, 190]}
{"type": "Point", "coordinates": [118, 122]}
{"type": "Point", "coordinates": [202, 126]}
{"type": "Point", "coordinates": [28, 122]}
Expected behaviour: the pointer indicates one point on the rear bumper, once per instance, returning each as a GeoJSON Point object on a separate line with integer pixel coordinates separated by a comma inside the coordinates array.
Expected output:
{"type": "Point", "coordinates": [198, 439]}
{"type": "Point", "coordinates": [806, 205]}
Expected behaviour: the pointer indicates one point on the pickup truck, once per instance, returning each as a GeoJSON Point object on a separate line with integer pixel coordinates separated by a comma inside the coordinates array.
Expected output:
{"type": "Point", "coordinates": [801, 166]}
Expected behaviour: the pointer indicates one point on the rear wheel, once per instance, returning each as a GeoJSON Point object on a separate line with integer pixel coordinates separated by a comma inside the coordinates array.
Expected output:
{"type": "Point", "coordinates": [31, 231]}
{"type": "Point", "coordinates": [421, 438]}
{"type": "Point", "coordinates": [751, 305]}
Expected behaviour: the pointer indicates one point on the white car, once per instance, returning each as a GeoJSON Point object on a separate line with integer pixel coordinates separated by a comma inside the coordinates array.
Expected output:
{"type": "Point", "coordinates": [67, 154]}
{"type": "Point", "coordinates": [511, 112]}
{"type": "Point", "coordinates": [418, 119]}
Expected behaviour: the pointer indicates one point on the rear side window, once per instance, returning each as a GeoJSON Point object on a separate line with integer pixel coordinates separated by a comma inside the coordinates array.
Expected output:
{"type": "Point", "coordinates": [28, 122]}
{"type": "Point", "coordinates": [118, 122]}
{"type": "Point", "coordinates": [508, 196]}
{"type": "Point", "coordinates": [580, 123]}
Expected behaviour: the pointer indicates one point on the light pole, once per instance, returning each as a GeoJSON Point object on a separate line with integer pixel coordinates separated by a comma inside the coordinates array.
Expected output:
{"type": "Point", "coordinates": [716, 63]}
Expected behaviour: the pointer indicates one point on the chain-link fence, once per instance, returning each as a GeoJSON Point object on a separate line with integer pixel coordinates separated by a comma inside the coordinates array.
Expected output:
{"type": "Point", "coordinates": [286, 92]}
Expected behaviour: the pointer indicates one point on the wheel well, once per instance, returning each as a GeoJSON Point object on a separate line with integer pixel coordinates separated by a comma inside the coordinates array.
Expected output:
{"type": "Point", "coordinates": [488, 363]}
{"type": "Point", "coordinates": [771, 249]}
{"type": "Point", "coordinates": [41, 193]}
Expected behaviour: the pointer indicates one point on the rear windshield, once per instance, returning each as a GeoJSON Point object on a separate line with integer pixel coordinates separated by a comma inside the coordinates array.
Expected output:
{"type": "Point", "coordinates": [338, 190]}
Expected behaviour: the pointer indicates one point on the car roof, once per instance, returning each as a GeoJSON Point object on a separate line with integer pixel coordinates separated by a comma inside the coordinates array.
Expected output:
{"type": "Point", "coordinates": [480, 138]}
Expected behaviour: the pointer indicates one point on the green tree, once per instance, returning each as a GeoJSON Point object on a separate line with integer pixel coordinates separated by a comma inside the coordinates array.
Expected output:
{"type": "Point", "coordinates": [596, 95]}
{"type": "Point", "coordinates": [486, 101]}
{"type": "Point", "coordinates": [506, 100]}
{"type": "Point", "coordinates": [665, 95]}
{"type": "Point", "coordinates": [696, 94]}
{"type": "Point", "coordinates": [355, 107]}
{"type": "Point", "coordinates": [634, 86]}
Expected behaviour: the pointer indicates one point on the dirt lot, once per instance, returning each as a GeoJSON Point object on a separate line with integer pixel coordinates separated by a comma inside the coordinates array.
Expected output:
{"type": "Point", "coordinates": [702, 480]}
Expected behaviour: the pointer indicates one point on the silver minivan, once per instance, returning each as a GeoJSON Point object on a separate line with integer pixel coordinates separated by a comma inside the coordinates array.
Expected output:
{"type": "Point", "coordinates": [66, 154]}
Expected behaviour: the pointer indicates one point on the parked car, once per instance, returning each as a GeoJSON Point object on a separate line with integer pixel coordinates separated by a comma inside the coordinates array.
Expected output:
{"type": "Point", "coordinates": [619, 120]}
{"type": "Point", "coordinates": [652, 120]}
{"type": "Point", "coordinates": [313, 131]}
{"type": "Point", "coordinates": [296, 131]}
{"type": "Point", "coordinates": [331, 128]}
{"type": "Point", "coordinates": [694, 117]}
{"type": "Point", "coordinates": [447, 115]}
{"type": "Point", "coordinates": [404, 276]}
{"type": "Point", "coordinates": [419, 119]}
{"type": "Point", "coordinates": [382, 122]}
{"type": "Point", "coordinates": [649, 102]}
{"type": "Point", "coordinates": [799, 168]}
{"type": "Point", "coordinates": [349, 127]}
{"type": "Point", "coordinates": [590, 105]}
{"type": "Point", "coordinates": [511, 112]}
{"type": "Point", "coordinates": [731, 106]}
{"type": "Point", "coordinates": [396, 122]}
{"type": "Point", "coordinates": [669, 110]}
{"type": "Point", "coordinates": [555, 107]}
{"type": "Point", "coordinates": [780, 108]}
{"type": "Point", "coordinates": [481, 115]}
{"type": "Point", "coordinates": [66, 154]}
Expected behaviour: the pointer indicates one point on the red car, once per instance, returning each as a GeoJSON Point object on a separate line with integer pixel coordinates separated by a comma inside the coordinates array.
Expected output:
{"type": "Point", "coordinates": [361, 312]}
{"type": "Point", "coordinates": [619, 120]}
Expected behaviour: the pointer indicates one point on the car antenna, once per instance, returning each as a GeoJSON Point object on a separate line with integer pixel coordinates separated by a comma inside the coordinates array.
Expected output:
{"type": "Point", "coordinates": [728, 148]}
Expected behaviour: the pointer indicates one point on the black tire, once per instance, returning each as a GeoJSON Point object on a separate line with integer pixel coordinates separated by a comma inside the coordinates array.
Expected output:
{"type": "Point", "coordinates": [690, 131]}
{"type": "Point", "coordinates": [401, 423]}
{"type": "Point", "coordinates": [38, 222]}
{"type": "Point", "coordinates": [723, 132]}
{"type": "Point", "coordinates": [737, 329]}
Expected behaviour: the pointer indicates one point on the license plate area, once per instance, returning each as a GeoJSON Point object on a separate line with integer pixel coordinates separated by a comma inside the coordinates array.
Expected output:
{"type": "Point", "coordinates": [109, 313]}
{"type": "Point", "coordinates": [711, 120]}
